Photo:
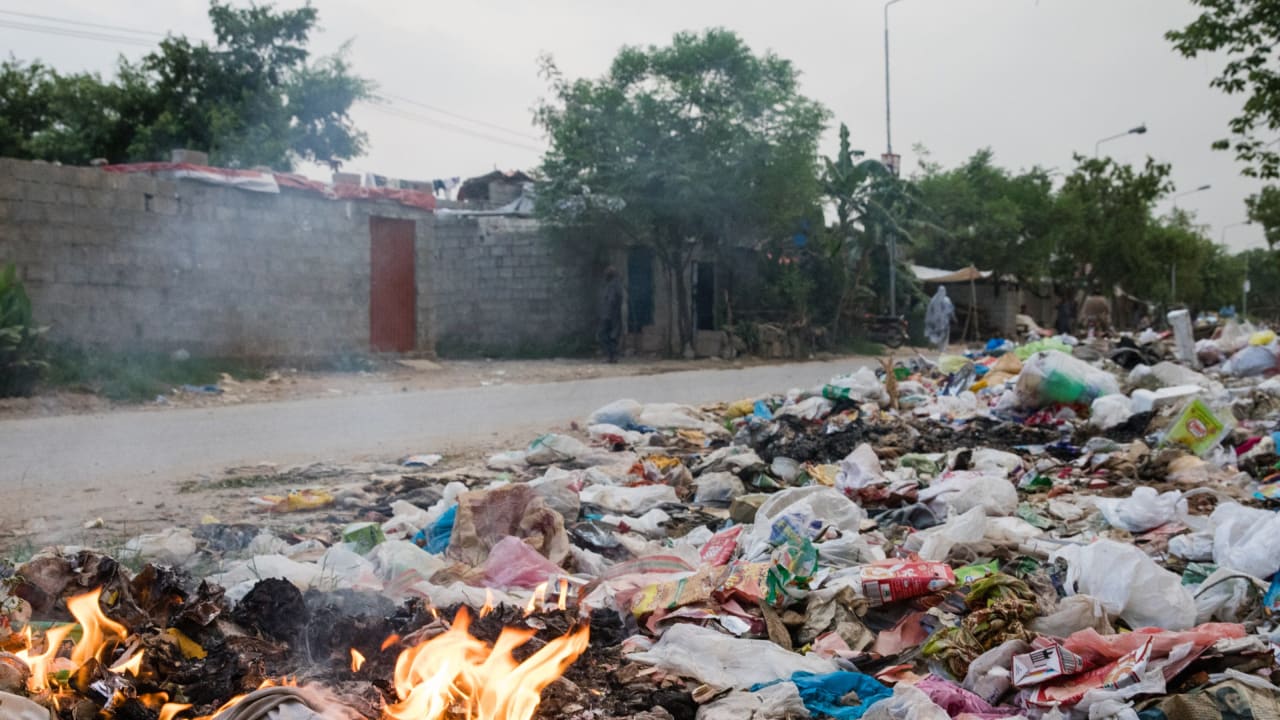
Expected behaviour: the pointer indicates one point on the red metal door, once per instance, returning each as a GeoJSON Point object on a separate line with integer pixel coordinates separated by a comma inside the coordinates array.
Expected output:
{"type": "Point", "coordinates": [392, 294]}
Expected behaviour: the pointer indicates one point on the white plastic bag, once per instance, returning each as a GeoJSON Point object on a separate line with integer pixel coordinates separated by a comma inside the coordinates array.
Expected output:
{"type": "Point", "coordinates": [811, 509]}
{"type": "Point", "coordinates": [1226, 596]}
{"type": "Point", "coordinates": [1073, 614]}
{"type": "Point", "coordinates": [963, 490]}
{"type": "Point", "coordinates": [1109, 411]}
{"type": "Point", "coordinates": [1143, 510]}
{"type": "Point", "coordinates": [725, 661]}
{"type": "Point", "coordinates": [811, 408]}
{"type": "Point", "coordinates": [937, 542]}
{"type": "Point", "coordinates": [859, 469]}
{"type": "Point", "coordinates": [1246, 539]}
{"type": "Point", "coordinates": [173, 546]}
{"type": "Point", "coordinates": [619, 412]}
{"type": "Point", "coordinates": [628, 500]}
{"type": "Point", "coordinates": [861, 385]}
{"type": "Point", "coordinates": [553, 448]}
{"type": "Point", "coordinates": [717, 488]}
{"type": "Point", "coordinates": [1129, 584]}
{"type": "Point", "coordinates": [781, 700]}
{"type": "Point", "coordinates": [994, 462]}
{"type": "Point", "coordinates": [1196, 547]}
{"type": "Point", "coordinates": [906, 703]}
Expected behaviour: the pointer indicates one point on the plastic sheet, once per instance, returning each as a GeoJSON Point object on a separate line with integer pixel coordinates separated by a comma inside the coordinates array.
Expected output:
{"type": "Point", "coordinates": [512, 563]}
{"type": "Point", "coordinates": [1143, 510]}
{"type": "Point", "coordinates": [1129, 584]}
{"type": "Point", "coordinates": [725, 661]}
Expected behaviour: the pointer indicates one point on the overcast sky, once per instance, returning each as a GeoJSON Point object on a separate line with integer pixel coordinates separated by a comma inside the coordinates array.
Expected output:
{"type": "Point", "coordinates": [1036, 80]}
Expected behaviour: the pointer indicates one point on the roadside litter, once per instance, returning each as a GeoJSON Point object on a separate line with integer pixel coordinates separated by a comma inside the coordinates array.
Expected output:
{"type": "Point", "coordinates": [1054, 530]}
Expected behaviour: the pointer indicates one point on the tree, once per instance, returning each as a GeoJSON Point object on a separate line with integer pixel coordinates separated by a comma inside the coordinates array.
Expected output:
{"type": "Point", "coordinates": [252, 98]}
{"type": "Point", "coordinates": [871, 204]}
{"type": "Point", "coordinates": [680, 146]}
{"type": "Point", "coordinates": [992, 218]}
{"type": "Point", "coordinates": [1264, 208]}
{"type": "Point", "coordinates": [1101, 222]}
{"type": "Point", "coordinates": [1263, 270]}
{"type": "Point", "coordinates": [1247, 32]}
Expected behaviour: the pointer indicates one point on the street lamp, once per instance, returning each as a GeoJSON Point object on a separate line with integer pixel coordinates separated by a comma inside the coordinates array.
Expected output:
{"type": "Point", "coordinates": [888, 142]}
{"type": "Point", "coordinates": [1233, 225]}
{"type": "Point", "coordinates": [1202, 188]}
{"type": "Point", "coordinates": [1140, 130]}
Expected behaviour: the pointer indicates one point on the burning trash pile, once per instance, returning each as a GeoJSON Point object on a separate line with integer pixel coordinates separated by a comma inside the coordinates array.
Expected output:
{"type": "Point", "coordinates": [1044, 530]}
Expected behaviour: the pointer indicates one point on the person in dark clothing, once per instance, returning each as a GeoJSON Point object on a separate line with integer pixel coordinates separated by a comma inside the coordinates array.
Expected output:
{"type": "Point", "coordinates": [1066, 316]}
{"type": "Point", "coordinates": [610, 314]}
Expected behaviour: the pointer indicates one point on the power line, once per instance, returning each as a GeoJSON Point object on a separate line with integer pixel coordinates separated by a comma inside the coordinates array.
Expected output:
{"type": "Point", "coordinates": [442, 111]}
{"type": "Point", "coordinates": [79, 34]}
{"type": "Point", "coordinates": [403, 114]}
{"type": "Point", "coordinates": [69, 21]}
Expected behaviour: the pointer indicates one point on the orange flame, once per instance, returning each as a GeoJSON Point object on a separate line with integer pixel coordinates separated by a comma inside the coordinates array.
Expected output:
{"type": "Point", "coordinates": [171, 709]}
{"type": "Point", "coordinates": [536, 600]}
{"type": "Point", "coordinates": [88, 613]}
{"type": "Point", "coordinates": [357, 660]}
{"type": "Point", "coordinates": [562, 603]}
{"type": "Point", "coordinates": [488, 603]}
{"type": "Point", "coordinates": [42, 664]}
{"type": "Point", "coordinates": [392, 639]}
{"type": "Point", "coordinates": [456, 674]}
{"type": "Point", "coordinates": [155, 700]}
{"type": "Point", "coordinates": [133, 665]}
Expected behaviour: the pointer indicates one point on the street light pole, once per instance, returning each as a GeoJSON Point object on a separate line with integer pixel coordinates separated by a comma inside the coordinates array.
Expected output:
{"type": "Point", "coordinates": [1173, 267]}
{"type": "Point", "coordinates": [888, 142]}
{"type": "Point", "coordinates": [1140, 130]}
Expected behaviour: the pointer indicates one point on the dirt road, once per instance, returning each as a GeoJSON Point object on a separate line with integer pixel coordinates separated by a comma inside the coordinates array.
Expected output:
{"type": "Point", "coordinates": [125, 467]}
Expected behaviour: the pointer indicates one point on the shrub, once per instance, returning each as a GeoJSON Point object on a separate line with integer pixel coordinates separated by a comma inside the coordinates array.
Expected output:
{"type": "Point", "coordinates": [22, 353]}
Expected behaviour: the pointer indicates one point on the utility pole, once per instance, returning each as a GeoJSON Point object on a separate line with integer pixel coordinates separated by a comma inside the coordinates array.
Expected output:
{"type": "Point", "coordinates": [888, 142]}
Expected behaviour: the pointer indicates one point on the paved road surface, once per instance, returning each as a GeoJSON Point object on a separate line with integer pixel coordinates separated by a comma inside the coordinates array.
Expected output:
{"type": "Point", "coordinates": [137, 455]}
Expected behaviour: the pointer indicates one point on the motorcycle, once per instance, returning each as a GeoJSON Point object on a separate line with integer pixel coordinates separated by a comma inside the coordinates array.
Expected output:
{"type": "Point", "coordinates": [888, 330]}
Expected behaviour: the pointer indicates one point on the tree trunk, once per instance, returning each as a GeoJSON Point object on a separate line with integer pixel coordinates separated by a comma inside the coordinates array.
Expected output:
{"type": "Point", "coordinates": [684, 308]}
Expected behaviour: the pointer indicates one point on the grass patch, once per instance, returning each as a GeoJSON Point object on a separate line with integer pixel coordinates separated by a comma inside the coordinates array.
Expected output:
{"type": "Point", "coordinates": [860, 346]}
{"type": "Point", "coordinates": [138, 376]}
{"type": "Point", "coordinates": [235, 482]}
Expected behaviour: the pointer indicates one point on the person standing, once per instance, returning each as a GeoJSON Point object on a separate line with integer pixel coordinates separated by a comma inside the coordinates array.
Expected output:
{"type": "Point", "coordinates": [610, 314]}
{"type": "Point", "coordinates": [937, 319]}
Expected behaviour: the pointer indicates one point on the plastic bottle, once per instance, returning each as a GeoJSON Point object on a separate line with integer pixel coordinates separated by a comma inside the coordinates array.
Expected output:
{"type": "Point", "coordinates": [1054, 377]}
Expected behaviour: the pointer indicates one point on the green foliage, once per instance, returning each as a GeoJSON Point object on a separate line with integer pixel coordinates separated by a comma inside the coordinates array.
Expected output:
{"type": "Point", "coordinates": [21, 348]}
{"type": "Point", "coordinates": [990, 218]}
{"type": "Point", "coordinates": [254, 97]}
{"type": "Point", "coordinates": [678, 147]}
{"type": "Point", "coordinates": [138, 376]}
{"type": "Point", "coordinates": [1263, 269]}
{"type": "Point", "coordinates": [1246, 31]}
{"type": "Point", "coordinates": [1264, 208]}
{"type": "Point", "coordinates": [1102, 222]}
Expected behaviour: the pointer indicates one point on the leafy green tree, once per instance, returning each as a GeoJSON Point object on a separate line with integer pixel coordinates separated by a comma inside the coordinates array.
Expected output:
{"type": "Point", "coordinates": [675, 147]}
{"type": "Point", "coordinates": [1264, 208]}
{"type": "Point", "coordinates": [992, 218]}
{"type": "Point", "coordinates": [1247, 32]}
{"type": "Point", "coordinates": [254, 97]}
{"type": "Point", "coordinates": [1262, 267]}
{"type": "Point", "coordinates": [872, 205]}
{"type": "Point", "coordinates": [1101, 222]}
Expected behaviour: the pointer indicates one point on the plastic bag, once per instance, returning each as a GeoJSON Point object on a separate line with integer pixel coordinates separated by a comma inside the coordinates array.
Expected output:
{"type": "Point", "coordinates": [1143, 510]}
{"type": "Point", "coordinates": [512, 563]}
{"type": "Point", "coordinates": [553, 448]}
{"type": "Point", "coordinates": [806, 511]}
{"type": "Point", "coordinates": [988, 675]}
{"type": "Point", "coordinates": [1073, 614]}
{"type": "Point", "coordinates": [717, 488]}
{"type": "Point", "coordinates": [485, 517]}
{"type": "Point", "coordinates": [906, 703]}
{"type": "Point", "coordinates": [1249, 361]}
{"type": "Point", "coordinates": [400, 562]}
{"type": "Point", "coordinates": [859, 386]}
{"type": "Point", "coordinates": [724, 661]}
{"type": "Point", "coordinates": [859, 469]}
{"type": "Point", "coordinates": [628, 500]}
{"type": "Point", "coordinates": [173, 546]}
{"type": "Point", "coordinates": [1109, 411]}
{"type": "Point", "coordinates": [992, 461]}
{"type": "Point", "coordinates": [505, 461]}
{"type": "Point", "coordinates": [1129, 584]}
{"type": "Point", "coordinates": [811, 408]}
{"type": "Point", "coordinates": [962, 529]}
{"type": "Point", "coordinates": [780, 700]}
{"type": "Point", "coordinates": [557, 490]}
{"type": "Point", "coordinates": [1196, 547]}
{"type": "Point", "coordinates": [1246, 539]}
{"type": "Point", "coordinates": [963, 490]}
{"type": "Point", "coordinates": [622, 413]}
{"type": "Point", "coordinates": [1055, 377]}
{"type": "Point", "coordinates": [1226, 596]}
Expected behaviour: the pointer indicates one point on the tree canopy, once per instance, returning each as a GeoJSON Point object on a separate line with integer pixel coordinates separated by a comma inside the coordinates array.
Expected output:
{"type": "Point", "coordinates": [699, 141]}
{"type": "Point", "coordinates": [1247, 31]}
{"type": "Point", "coordinates": [254, 97]}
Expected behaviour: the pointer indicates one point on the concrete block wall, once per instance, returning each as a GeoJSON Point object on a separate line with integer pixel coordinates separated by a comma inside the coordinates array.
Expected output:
{"type": "Point", "coordinates": [131, 261]}
{"type": "Point", "coordinates": [503, 286]}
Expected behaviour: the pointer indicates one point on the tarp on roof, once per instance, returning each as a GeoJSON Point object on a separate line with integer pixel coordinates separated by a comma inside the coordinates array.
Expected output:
{"type": "Point", "coordinates": [934, 276]}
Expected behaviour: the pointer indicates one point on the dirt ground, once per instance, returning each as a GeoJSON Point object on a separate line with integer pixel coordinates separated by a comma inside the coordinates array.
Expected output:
{"type": "Point", "coordinates": [396, 376]}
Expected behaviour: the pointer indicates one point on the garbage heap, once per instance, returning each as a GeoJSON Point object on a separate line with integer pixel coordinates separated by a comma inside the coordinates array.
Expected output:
{"type": "Point", "coordinates": [1029, 531]}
